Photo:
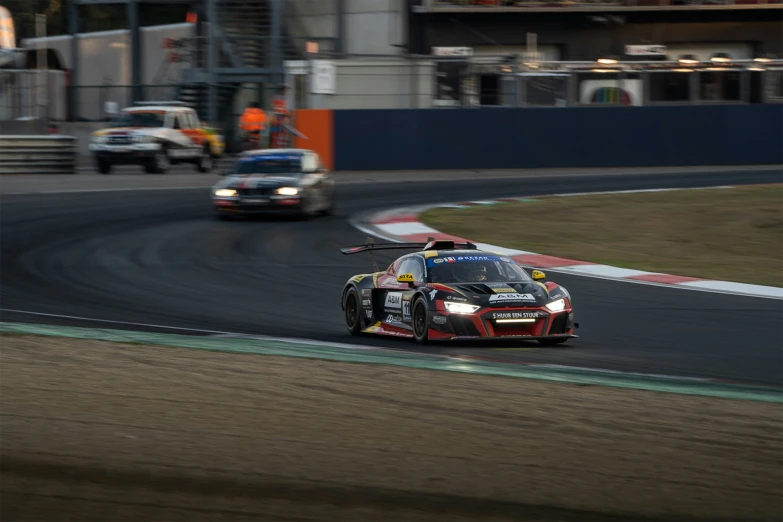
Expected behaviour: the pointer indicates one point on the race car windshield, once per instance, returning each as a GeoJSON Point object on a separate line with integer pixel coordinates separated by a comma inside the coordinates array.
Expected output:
{"type": "Point", "coordinates": [139, 119]}
{"type": "Point", "coordinates": [269, 165]}
{"type": "Point", "coordinates": [475, 269]}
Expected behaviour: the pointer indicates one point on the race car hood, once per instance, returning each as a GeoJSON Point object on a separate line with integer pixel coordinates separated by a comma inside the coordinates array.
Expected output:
{"type": "Point", "coordinates": [500, 295]}
{"type": "Point", "coordinates": [259, 181]}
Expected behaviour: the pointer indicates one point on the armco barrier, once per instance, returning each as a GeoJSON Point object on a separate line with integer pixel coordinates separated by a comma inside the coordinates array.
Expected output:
{"type": "Point", "coordinates": [579, 137]}
{"type": "Point", "coordinates": [38, 154]}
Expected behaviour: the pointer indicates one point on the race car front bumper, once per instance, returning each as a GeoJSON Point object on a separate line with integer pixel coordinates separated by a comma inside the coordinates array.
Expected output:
{"type": "Point", "coordinates": [503, 323]}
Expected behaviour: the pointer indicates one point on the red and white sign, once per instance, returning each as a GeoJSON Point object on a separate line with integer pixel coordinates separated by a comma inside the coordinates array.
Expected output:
{"type": "Point", "coordinates": [452, 51]}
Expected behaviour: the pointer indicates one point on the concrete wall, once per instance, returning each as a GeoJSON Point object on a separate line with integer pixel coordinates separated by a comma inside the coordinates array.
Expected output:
{"type": "Point", "coordinates": [377, 84]}
{"type": "Point", "coordinates": [370, 26]}
{"type": "Point", "coordinates": [558, 138]}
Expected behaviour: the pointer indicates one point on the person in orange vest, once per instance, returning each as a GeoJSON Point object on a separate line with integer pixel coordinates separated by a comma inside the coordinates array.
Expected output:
{"type": "Point", "coordinates": [253, 122]}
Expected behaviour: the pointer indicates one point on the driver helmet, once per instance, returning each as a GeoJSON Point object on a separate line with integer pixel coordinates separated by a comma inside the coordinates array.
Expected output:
{"type": "Point", "coordinates": [478, 274]}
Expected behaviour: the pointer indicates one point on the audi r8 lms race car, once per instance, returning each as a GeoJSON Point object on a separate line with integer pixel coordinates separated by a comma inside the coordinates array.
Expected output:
{"type": "Point", "coordinates": [156, 135]}
{"type": "Point", "coordinates": [278, 180]}
{"type": "Point", "coordinates": [454, 291]}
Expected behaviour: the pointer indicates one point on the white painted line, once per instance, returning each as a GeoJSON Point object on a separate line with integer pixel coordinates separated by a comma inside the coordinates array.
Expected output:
{"type": "Point", "coordinates": [604, 270]}
{"type": "Point", "coordinates": [743, 288]}
{"type": "Point", "coordinates": [502, 250]}
{"type": "Point", "coordinates": [636, 191]}
{"type": "Point", "coordinates": [406, 228]}
{"type": "Point", "coordinates": [215, 333]}
{"type": "Point", "coordinates": [486, 202]}
{"type": "Point", "coordinates": [86, 191]}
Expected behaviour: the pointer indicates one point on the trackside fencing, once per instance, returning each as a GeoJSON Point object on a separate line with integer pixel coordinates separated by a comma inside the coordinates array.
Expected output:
{"type": "Point", "coordinates": [55, 154]}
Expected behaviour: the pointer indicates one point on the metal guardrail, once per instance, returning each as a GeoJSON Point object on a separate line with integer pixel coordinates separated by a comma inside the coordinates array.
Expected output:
{"type": "Point", "coordinates": [38, 154]}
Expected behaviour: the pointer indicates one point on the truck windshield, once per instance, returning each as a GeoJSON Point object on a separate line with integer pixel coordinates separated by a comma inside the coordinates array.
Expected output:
{"type": "Point", "coordinates": [475, 268]}
{"type": "Point", "coordinates": [139, 119]}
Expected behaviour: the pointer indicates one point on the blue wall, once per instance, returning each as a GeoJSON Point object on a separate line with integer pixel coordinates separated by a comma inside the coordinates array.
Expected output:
{"type": "Point", "coordinates": [411, 139]}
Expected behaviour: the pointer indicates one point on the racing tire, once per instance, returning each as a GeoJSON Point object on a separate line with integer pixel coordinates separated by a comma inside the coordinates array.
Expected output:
{"type": "Point", "coordinates": [205, 162]}
{"type": "Point", "coordinates": [552, 342]}
{"type": "Point", "coordinates": [160, 163]}
{"type": "Point", "coordinates": [104, 167]}
{"type": "Point", "coordinates": [353, 317]}
{"type": "Point", "coordinates": [420, 319]}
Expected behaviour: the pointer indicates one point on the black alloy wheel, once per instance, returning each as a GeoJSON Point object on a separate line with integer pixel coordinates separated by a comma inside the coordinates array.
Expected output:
{"type": "Point", "coordinates": [352, 318]}
{"type": "Point", "coordinates": [420, 321]}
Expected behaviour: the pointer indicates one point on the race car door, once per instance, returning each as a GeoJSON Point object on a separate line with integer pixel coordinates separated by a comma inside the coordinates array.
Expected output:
{"type": "Point", "coordinates": [397, 296]}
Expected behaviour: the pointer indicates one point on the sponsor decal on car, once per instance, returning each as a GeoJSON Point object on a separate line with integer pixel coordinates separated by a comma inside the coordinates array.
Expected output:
{"type": "Point", "coordinates": [502, 298]}
{"type": "Point", "coordinates": [474, 258]}
{"type": "Point", "coordinates": [432, 294]}
{"type": "Point", "coordinates": [368, 314]}
{"type": "Point", "coordinates": [516, 315]}
{"type": "Point", "coordinates": [439, 319]}
{"type": "Point", "coordinates": [392, 318]}
{"type": "Point", "coordinates": [500, 288]}
{"type": "Point", "coordinates": [455, 298]}
{"type": "Point", "coordinates": [406, 309]}
{"type": "Point", "coordinates": [365, 302]}
{"type": "Point", "coordinates": [506, 260]}
{"type": "Point", "coordinates": [393, 300]}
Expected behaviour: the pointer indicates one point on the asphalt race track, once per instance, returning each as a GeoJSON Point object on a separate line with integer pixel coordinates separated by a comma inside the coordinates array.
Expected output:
{"type": "Point", "coordinates": [160, 258]}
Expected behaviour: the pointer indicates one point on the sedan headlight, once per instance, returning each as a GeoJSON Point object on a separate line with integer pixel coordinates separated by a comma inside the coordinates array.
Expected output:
{"type": "Point", "coordinates": [225, 193]}
{"type": "Point", "coordinates": [556, 306]}
{"type": "Point", "coordinates": [288, 191]}
{"type": "Point", "coordinates": [460, 308]}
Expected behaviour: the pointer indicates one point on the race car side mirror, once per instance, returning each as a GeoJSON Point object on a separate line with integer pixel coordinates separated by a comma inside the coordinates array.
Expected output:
{"type": "Point", "coordinates": [538, 275]}
{"type": "Point", "coordinates": [406, 278]}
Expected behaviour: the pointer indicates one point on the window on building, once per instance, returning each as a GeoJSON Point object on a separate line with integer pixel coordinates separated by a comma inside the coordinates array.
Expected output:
{"type": "Point", "coordinates": [719, 85]}
{"type": "Point", "coordinates": [669, 87]}
{"type": "Point", "coordinates": [489, 89]}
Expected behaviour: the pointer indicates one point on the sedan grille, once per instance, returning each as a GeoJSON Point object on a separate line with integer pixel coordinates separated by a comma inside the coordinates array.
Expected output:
{"type": "Point", "coordinates": [261, 191]}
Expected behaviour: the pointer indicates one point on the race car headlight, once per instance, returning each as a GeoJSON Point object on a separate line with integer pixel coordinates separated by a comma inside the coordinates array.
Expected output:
{"type": "Point", "coordinates": [460, 308]}
{"type": "Point", "coordinates": [556, 306]}
{"type": "Point", "coordinates": [288, 191]}
{"type": "Point", "coordinates": [225, 193]}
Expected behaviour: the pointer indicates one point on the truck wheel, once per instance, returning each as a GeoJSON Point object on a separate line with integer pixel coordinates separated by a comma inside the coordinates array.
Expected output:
{"type": "Point", "coordinates": [104, 167]}
{"type": "Point", "coordinates": [159, 164]}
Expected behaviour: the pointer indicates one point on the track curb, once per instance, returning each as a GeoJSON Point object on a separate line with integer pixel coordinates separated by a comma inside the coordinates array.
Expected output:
{"type": "Point", "coordinates": [258, 345]}
{"type": "Point", "coordinates": [403, 225]}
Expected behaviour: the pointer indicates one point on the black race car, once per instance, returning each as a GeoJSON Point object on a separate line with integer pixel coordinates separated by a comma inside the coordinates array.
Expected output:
{"type": "Point", "coordinates": [454, 291]}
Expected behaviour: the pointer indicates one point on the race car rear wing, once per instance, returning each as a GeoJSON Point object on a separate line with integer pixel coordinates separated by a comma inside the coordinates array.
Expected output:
{"type": "Point", "coordinates": [431, 244]}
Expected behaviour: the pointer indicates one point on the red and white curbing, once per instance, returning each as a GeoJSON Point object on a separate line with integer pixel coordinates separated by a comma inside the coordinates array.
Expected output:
{"type": "Point", "coordinates": [401, 225]}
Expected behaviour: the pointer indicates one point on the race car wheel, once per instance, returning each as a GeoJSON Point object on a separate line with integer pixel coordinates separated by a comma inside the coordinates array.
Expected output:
{"type": "Point", "coordinates": [420, 321]}
{"type": "Point", "coordinates": [551, 342]}
{"type": "Point", "coordinates": [104, 167]}
{"type": "Point", "coordinates": [205, 162]}
{"type": "Point", "coordinates": [353, 318]}
{"type": "Point", "coordinates": [160, 163]}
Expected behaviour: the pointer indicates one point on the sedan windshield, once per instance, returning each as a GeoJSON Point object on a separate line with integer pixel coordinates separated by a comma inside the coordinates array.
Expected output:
{"type": "Point", "coordinates": [479, 268]}
{"type": "Point", "coordinates": [269, 164]}
{"type": "Point", "coordinates": [139, 119]}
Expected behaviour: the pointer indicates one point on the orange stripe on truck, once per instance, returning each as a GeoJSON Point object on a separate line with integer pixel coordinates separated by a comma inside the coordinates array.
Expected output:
{"type": "Point", "coordinates": [318, 126]}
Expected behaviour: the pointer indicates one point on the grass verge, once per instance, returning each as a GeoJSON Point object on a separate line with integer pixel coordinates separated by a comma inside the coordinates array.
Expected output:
{"type": "Point", "coordinates": [103, 431]}
{"type": "Point", "coordinates": [725, 234]}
